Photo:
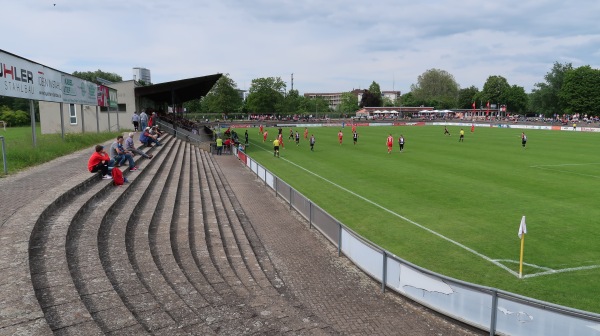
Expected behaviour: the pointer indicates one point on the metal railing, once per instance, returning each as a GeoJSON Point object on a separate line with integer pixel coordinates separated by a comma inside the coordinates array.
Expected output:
{"type": "Point", "coordinates": [490, 309]}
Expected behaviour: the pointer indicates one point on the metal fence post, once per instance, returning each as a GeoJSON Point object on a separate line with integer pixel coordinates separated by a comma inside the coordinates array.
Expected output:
{"type": "Point", "coordinates": [310, 215]}
{"type": "Point", "coordinates": [291, 195]}
{"type": "Point", "coordinates": [4, 156]}
{"type": "Point", "coordinates": [339, 239]}
{"type": "Point", "coordinates": [275, 184]}
{"type": "Point", "coordinates": [384, 275]}
{"type": "Point", "coordinates": [494, 312]}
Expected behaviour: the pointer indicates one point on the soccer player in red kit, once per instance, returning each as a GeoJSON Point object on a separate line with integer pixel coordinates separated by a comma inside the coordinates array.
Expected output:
{"type": "Point", "coordinates": [340, 136]}
{"type": "Point", "coordinates": [390, 143]}
{"type": "Point", "coordinates": [353, 128]}
{"type": "Point", "coordinates": [281, 141]}
{"type": "Point", "coordinates": [260, 129]}
{"type": "Point", "coordinates": [305, 132]}
{"type": "Point", "coordinates": [265, 135]}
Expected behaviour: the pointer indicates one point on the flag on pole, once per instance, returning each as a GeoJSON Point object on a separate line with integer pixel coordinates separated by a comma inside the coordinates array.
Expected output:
{"type": "Point", "coordinates": [522, 232]}
{"type": "Point", "coordinates": [473, 105]}
{"type": "Point", "coordinates": [522, 227]}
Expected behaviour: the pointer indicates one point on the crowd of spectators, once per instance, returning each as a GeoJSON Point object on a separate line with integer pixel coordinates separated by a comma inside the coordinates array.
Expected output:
{"type": "Point", "coordinates": [122, 152]}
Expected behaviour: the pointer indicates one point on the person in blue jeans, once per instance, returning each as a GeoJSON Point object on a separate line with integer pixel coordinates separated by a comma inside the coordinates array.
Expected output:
{"type": "Point", "coordinates": [120, 155]}
{"type": "Point", "coordinates": [147, 139]}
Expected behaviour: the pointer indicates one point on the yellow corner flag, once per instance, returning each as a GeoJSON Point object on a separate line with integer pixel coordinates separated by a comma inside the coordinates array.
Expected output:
{"type": "Point", "coordinates": [522, 232]}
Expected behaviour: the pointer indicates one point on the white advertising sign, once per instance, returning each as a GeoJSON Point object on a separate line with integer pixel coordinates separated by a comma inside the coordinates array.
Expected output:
{"type": "Point", "coordinates": [20, 78]}
{"type": "Point", "coordinates": [79, 91]}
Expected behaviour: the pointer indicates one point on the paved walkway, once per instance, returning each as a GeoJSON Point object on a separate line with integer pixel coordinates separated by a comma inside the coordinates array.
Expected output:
{"type": "Point", "coordinates": [331, 287]}
{"type": "Point", "coordinates": [335, 291]}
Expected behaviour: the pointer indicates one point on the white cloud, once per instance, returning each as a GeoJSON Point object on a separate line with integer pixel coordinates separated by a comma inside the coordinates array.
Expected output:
{"type": "Point", "coordinates": [329, 46]}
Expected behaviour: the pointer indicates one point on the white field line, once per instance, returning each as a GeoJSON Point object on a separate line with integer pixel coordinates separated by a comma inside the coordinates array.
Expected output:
{"type": "Point", "coordinates": [546, 167]}
{"type": "Point", "coordinates": [495, 262]}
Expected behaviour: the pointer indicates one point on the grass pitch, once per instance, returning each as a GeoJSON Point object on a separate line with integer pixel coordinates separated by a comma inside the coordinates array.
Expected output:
{"type": "Point", "coordinates": [455, 208]}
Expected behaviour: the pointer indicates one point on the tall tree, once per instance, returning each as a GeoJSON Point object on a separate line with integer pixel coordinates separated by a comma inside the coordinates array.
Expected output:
{"type": "Point", "coordinates": [266, 95]}
{"type": "Point", "coordinates": [348, 103]}
{"type": "Point", "coordinates": [375, 91]}
{"type": "Point", "coordinates": [293, 102]}
{"type": "Point", "coordinates": [466, 97]}
{"type": "Point", "coordinates": [580, 92]}
{"type": "Point", "coordinates": [545, 96]}
{"type": "Point", "coordinates": [437, 88]}
{"type": "Point", "coordinates": [515, 99]}
{"type": "Point", "coordinates": [496, 90]}
{"type": "Point", "coordinates": [223, 97]}
{"type": "Point", "coordinates": [370, 100]}
{"type": "Point", "coordinates": [92, 75]}
{"type": "Point", "coordinates": [408, 99]}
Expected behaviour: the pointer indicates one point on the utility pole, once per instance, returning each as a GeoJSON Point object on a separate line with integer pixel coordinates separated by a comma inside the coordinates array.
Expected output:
{"type": "Point", "coordinates": [292, 81]}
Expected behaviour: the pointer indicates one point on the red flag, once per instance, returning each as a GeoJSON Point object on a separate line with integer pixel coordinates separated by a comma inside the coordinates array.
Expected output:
{"type": "Point", "coordinates": [473, 105]}
{"type": "Point", "coordinates": [488, 108]}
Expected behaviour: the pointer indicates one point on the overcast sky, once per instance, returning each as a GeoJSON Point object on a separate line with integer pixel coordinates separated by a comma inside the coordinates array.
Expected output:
{"type": "Point", "coordinates": [329, 45]}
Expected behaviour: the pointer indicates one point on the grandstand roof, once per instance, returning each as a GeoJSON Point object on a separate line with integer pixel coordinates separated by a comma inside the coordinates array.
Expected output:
{"type": "Point", "coordinates": [179, 91]}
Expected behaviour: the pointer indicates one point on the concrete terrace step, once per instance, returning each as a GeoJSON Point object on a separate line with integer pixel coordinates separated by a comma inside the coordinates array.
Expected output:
{"type": "Point", "coordinates": [32, 255]}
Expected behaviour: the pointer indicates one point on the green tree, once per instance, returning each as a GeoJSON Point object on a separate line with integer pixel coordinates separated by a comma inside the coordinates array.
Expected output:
{"type": "Point", "coordinates": [193, 106]}
{"type": "Point", "coordinates": [388, 102]}
{"type": "Point", "coordinates": [294, 103]}
{"type": "Point", "coordinates": [319, 106]}
{"type": "Point", "coordinates": [266, 95]}
{"type": "Point", "coordinates": [369, 99]}
{"type": "Point", "coordinates": [376, 97]}
{"type": "Point", "coordinates": [494, 89]}
{"type": "Point", "coordinates": [516, 99]}
{"type": "Point", "coordinates": [348, 103]}
{"type": "Point", "coordinates": [544, 98]}
{"type": "Point", "coordinates": [437, 88]}
{"type": "Point", "coordinates": [466, 97]}
{"type": "Point", "coordinates": [14, 118]}
{"type": "Point", "coordinates": [223, 97]}
{"type": "Point", "coordinates": [408, 99]}
{"type": "Point", "coordinates": [580, 92]}
{"type": "Point", "coordinates": [92, 75]}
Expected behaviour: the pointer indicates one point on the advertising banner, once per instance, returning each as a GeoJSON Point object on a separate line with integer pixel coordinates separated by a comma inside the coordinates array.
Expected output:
{"type": "Point", "coordinates": [113, 101]}
{"type": "Point", "coordinates": [79, 91]}
{"type": "Point", "coordinates": [20, 78]}
{"type": "Point", "coordinates": [102, 95]}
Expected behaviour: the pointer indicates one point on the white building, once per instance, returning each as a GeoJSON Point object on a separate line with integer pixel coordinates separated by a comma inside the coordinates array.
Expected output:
{"type": "Point", "coordinates": [142, 74]}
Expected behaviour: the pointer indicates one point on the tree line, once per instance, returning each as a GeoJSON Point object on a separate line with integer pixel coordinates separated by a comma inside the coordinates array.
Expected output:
{"type": "Point", "coordinates": [565, 90]}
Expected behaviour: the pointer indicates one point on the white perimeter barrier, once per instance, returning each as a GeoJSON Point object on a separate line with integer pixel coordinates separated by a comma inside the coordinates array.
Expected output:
{"type": "Point", "coordinates": [493, 310]}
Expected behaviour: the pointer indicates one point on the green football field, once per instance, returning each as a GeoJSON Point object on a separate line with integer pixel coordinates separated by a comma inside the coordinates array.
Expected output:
{"type": "Point", "coordinates": [455, 208]}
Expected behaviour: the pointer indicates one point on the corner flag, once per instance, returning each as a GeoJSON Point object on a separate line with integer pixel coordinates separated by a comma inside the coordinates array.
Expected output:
{"type": "Point", "coordinates": [522, 227]}
{"type": "Point", "coordinates": [522, 232]}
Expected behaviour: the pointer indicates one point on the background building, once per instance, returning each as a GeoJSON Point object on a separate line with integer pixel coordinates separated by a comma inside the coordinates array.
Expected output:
{"type": "Point", "coordinates": [142, 74]}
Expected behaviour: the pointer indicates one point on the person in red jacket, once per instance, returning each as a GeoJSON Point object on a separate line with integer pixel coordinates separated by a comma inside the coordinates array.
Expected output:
{"type": "Point", "coordinates": [100, 162]}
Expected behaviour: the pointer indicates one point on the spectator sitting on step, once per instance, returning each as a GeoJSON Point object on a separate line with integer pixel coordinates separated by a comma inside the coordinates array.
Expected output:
{"type": "Point", "coordinates": [147, 139]}
{"type": "Point", "coordinates": [158, 131]}
{"type": "Point", "coordinates": [154, 131]}
{"type": "Point", "coordinates": [100, 162]}
{"type": "Point", "coordinates": [130, 146]}
{"type": "Point", "coordinates": [119, 154]}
